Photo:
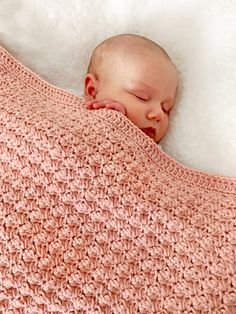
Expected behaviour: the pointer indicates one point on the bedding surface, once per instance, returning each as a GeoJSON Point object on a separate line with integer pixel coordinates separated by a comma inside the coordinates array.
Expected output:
{"type": "Point", "coordinates": [95, 218]}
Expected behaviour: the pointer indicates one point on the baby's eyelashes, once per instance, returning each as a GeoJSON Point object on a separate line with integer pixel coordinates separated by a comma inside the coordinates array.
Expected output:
{"type": "Point", "coordinates": [143, 98]}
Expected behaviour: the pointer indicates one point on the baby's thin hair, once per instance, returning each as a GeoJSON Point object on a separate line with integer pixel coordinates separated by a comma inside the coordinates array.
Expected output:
{"type": "Point", "coordinates": [123, 41]}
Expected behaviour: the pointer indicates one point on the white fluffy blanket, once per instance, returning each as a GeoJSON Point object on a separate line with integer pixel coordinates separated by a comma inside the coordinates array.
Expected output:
{"type": "Point", "coordinates": [55, 38]}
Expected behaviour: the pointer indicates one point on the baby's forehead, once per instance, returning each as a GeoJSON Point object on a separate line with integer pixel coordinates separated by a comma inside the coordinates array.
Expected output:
{"type": "Point", "coordinates": [127, 57]}
{"type": "Point", "coordinates": [127, 49]}
{"type": "Point", "coordinates": [123, 48]}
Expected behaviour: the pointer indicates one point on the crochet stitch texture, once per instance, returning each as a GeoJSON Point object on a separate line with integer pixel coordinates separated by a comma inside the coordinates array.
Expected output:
{"type": "Point", "coordinates": [95, 218]}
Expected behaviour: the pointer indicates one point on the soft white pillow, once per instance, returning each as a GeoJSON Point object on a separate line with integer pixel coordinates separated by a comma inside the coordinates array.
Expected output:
{"type": "Point", "coordinates": [55, 38]}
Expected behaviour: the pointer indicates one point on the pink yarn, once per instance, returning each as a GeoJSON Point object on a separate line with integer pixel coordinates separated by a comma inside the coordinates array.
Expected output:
{"type": "Point", "coordinates": [95, 218]}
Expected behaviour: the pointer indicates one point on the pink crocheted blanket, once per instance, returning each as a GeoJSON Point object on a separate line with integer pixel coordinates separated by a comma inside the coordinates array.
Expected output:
{"type": "Point", "coordinates": [95, 218]}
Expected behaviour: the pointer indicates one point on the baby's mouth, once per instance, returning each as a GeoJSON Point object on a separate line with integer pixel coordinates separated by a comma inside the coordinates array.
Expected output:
{"type": "Point", "coordinates": [149, 131]}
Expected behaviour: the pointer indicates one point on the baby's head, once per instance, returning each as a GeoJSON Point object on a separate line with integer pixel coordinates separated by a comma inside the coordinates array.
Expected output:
{"type": "Point", "coordinates": [139, 74]}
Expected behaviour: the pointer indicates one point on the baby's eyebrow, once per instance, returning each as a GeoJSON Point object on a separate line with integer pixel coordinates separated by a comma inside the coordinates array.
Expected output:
{"type": "Point", "coordinates": [143, 85]}
{"type": "Point", "coordinates": [139, 86]}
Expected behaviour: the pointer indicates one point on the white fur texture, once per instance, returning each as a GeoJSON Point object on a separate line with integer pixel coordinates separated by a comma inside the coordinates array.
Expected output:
{"type": "Point", "coordinates": [55, 39]}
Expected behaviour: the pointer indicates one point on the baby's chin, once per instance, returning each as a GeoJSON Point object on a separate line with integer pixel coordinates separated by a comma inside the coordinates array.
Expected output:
{"type": "Point", "coordinates": [159, 135]}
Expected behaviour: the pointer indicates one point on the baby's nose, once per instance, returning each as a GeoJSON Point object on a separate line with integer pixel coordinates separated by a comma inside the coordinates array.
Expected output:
{"type": "Point", "coordinates": [156, 112]}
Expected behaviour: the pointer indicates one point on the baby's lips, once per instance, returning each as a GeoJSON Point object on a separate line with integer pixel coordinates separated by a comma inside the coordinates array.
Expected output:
{"type": "Point", "coordinates": [149, 131]}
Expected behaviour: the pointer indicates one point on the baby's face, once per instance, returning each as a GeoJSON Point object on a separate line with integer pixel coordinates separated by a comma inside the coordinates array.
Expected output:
{"type": "Point", "coordinates": [146, 86]}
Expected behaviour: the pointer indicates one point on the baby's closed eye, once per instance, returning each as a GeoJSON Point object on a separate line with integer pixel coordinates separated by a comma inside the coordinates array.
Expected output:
{"type": "Point", "coordinates": [166, 106]}
{"type": "Point", "coordinates": [142, 97]}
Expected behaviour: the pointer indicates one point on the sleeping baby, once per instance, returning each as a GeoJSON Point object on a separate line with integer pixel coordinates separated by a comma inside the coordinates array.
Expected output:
{"type": "Point", "coordinates": [135, 76]}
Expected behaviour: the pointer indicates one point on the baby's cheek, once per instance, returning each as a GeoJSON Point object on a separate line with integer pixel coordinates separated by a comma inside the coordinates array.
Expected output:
{"type": "Point", "coordinates": [137, 120]}
{"type": "Point", "coordinates": [136, 115]}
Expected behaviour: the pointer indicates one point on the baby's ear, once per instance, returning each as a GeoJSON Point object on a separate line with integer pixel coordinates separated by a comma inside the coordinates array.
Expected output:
{"type": "Point", "coordinates": [90, 86]}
